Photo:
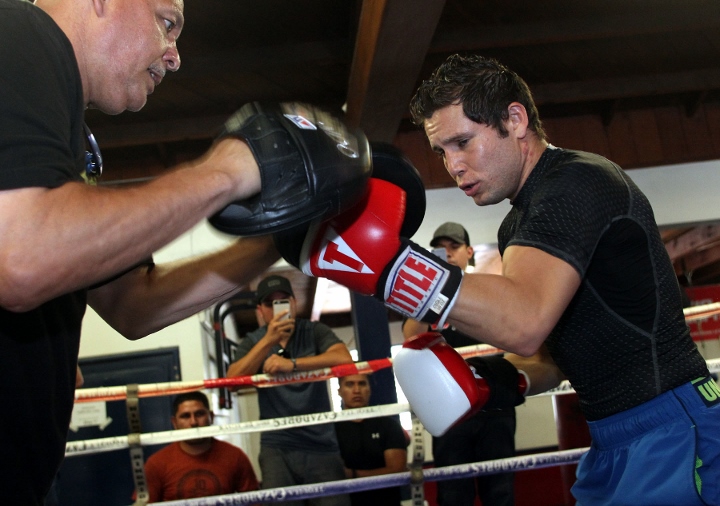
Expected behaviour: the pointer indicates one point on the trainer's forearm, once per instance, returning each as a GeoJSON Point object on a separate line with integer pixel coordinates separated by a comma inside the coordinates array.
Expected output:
{"type": "Point", "coordinates": [140, 303]}
{"type": "Point", "coordinates": [62, 239]}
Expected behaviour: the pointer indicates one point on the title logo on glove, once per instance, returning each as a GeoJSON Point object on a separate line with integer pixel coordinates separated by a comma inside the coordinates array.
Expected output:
{"type": "Point", "coordinates": [413, 285]}
{"type": "Point", "coordinates": [337, 255]}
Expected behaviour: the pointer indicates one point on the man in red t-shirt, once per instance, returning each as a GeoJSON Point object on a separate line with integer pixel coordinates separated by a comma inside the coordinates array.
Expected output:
{"type": "Point", "coordinates": [197, 467]}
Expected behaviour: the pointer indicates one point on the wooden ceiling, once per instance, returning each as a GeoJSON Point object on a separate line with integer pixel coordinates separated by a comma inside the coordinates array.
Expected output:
{"type": "Point", "coordinates": [637, 81]}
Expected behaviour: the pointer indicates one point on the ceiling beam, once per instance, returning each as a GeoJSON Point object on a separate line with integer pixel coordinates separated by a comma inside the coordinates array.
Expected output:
{"type": "Point", "coordinates": [693, 262]}
{"type": "Point", "coordinates": [626, 87]}
{"type": "Point", "coordinates": [696, 239]}
{"type": "Point", "coordinates": [392, 42]}
{"type": "Point", "coordinates": [601, 27]}
{"type": "Point", "coordinates": [138, 134]}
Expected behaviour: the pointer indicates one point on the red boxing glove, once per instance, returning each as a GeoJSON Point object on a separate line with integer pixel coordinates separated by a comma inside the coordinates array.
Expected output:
{"type": "Point", "coordinates": [331, 248]}
{"type": "Point", "coordinates": [363, 250]}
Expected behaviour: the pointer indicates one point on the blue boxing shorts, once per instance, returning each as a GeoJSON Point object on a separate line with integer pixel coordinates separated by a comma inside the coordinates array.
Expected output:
{"type": "Point", "coordinates": [663, 452]}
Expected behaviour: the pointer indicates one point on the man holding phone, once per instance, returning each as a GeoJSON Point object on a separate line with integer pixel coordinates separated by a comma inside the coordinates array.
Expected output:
{"type": "Point", "coordinates": [284, 344]}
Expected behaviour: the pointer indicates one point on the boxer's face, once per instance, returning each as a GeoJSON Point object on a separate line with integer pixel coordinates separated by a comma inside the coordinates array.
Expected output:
{"type": "Point", "coordinates": [134, 46]}
{"type": "Point", "coordinates": [354, 391]}
{"type": "Point", "coordinates": [487, 167]}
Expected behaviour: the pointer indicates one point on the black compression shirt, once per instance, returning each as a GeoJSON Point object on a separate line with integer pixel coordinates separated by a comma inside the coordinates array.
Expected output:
{"type": "Point", "coordinates": [623, 338]}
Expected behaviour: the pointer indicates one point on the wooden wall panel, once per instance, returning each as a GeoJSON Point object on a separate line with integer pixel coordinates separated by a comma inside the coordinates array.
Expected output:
{"type": "Point", "coordinates": [623, 149]}
{"type": "Point", "coordinates": [415, 145]}
{"type": "Point", "coordinates": [563, 133]}
{"type": "Point", "coordinates": [697, 135]}
{"type": "Point", "coordinates": [594, 135]}
{"type": "Point", "coordinates": [712, 118]}
{"type": "Point", "coordinates": [646, 136]}
{"type": "Point", "coordinates": [669, 120]}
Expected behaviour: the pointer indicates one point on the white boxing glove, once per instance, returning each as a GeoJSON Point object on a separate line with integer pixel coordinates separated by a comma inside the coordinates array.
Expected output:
{"type": "Point", "coordinates": [440, 387]}
{"type": "Point", "coordinates": [443, 389]}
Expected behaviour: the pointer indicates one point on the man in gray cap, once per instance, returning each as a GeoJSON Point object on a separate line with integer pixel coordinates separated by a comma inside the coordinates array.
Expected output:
{"type": "Point", "coordinates": [454, 239]}
{"type": "Point", "coordinates": [487, 435]}
{"type": "Point", "coordinates": [285, 344]}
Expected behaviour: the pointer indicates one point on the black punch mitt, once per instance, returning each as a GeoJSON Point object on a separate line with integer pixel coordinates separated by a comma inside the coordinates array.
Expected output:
{"type": "Point", "coordinates": [311, 165]}
{"type": "Point", "coordinates": [388, 164]}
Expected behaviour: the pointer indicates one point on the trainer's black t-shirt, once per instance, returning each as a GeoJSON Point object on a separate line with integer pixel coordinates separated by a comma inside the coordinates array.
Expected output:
{"type": "Point", "coordinates": [623, 338]}
{"type": "Point", "coordinates": [41, 145]}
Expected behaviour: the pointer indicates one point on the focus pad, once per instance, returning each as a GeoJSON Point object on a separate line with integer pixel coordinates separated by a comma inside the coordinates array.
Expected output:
{"type": "Point", "coordinates": [390, 164]}
{"type": "Point", "coordinates": [311, 166]}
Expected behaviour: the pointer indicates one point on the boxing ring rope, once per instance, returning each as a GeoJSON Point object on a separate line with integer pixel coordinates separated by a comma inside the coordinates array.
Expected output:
{"type": "Point", "coordinates": [301, 492]}
{"type": "Point", "coordinates": [101, 445]}
{"type": "Point", "coordinates": [695, 313]}
{"type": "Point", "coordinates": [414, 476]}
{"type": "Point", "coordinates": [692, 314]}
{"type": "Point", "coordinates": [152, 438]}
{"type": "Point", "coordinates": [258, 380]}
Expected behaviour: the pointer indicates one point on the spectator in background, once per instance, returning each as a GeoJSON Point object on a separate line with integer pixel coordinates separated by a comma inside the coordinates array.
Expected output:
{"type": "Point", "coordinates": [197, 467]}
{"type": "Point", "coordinates": [284, 344]}
{"type": "Point", "coordinates": [370, 447]}
{"type": "Point", "coordinates": [487, 435]}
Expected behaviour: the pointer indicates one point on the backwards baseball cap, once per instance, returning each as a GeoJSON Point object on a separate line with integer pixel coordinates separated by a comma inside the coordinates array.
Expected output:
{"type": "Point", "coordinates": [273, 284]}
{"type": "Point", "coordinates": [453, 231]}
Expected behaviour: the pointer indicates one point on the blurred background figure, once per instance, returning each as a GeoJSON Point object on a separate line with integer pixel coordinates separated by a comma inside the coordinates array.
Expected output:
{"type": "Point", "coordinates": [197, 467]}
{"type": "Point", "coordinates": [370, 447]}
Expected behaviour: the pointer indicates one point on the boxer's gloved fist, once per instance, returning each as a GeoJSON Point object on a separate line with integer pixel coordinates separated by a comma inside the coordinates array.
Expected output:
{"type": "Point", "coordinates": [506, 385]}
{"type": "Point", "coordinates": [362, 250]}
{"type": "Point", "coordinates": [443, 391]}
{"type": "Point", "coordinates": [311, 166]}
{"type": "Point", "coordinates": [438, 384]}
{"type": "Point", "coordinates": [354, 248]}
{"type": "Point", "coordinates": [365, 248]}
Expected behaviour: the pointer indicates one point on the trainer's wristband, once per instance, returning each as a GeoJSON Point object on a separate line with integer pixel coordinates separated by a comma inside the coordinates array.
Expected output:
{"type": "Point", "coordinates": [294, 362]}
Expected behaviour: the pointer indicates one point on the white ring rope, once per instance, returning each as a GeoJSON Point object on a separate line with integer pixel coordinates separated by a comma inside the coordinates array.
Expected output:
{"type": "Point", "coordinates": [301, 492]}
{"type": "Point", "coordinates": [152, 438]}
{"type": "Point", "coordinates": [694, 313]}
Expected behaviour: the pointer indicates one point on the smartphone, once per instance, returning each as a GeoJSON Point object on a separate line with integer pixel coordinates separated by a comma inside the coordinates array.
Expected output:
{"type": "Point", "coordinates": [281, 305]}
{"type": "Point", "coordinates": [440, 253]}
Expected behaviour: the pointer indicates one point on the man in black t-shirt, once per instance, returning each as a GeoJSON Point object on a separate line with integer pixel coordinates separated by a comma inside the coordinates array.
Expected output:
{"type": "Point", "coordinates": [369, 447]}
{"type": "Point", "coordinates": [67, 244]}
{"type": "Point", "coordinates": [586, 277]}
{"type": "Point", "coordinates": [487, 435]}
